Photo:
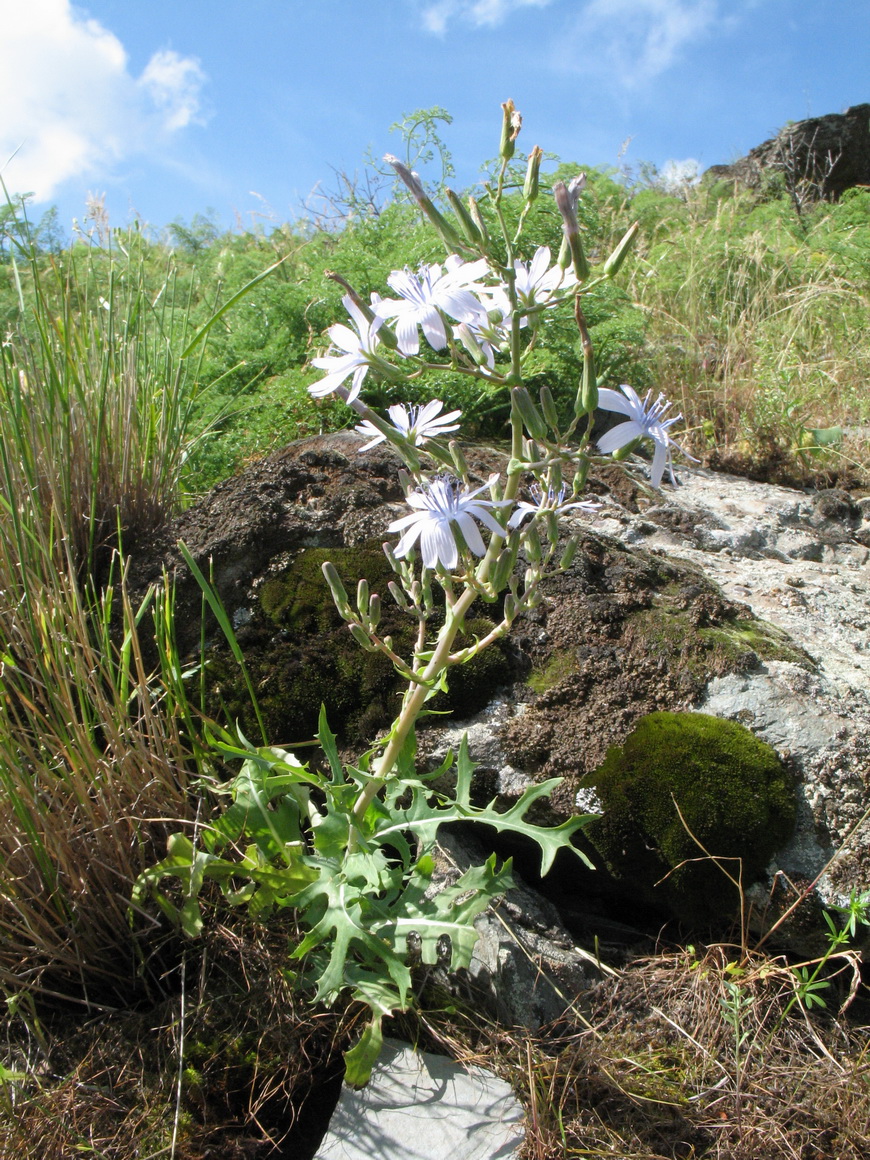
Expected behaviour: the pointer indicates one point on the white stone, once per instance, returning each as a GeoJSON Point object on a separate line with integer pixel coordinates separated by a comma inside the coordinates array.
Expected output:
{"type": "Point", "coordinates": [419, 1106]}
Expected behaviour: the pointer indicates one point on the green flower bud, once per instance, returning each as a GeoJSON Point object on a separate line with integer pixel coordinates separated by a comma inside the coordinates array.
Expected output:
{"type": "Point", "coordinates": [477, 218]}
{"type": "Point", "coordinates": [613, 263]}
{"type": "Point", "coordinates": [466, 221]}
{"type": "Point", "coordinates": [587, 395]}
{"type": "Point", "coordinates": [337, 590]}
{"type": "Point", "coordinates": [533, 420]}
{"type": "Point", "coordinates": [532, 542]}
{"type": "Point", "coordinates": [397, 594]}
{"type": "Point", "coordinates": [503, 568]}
{"type": "Point", "coordinates": [569, 553]}
{"type": "Point", "coordinates": [530, 186]}
{"type": "Point", "coordinates": [361, 637]}
{"type": "Point", "coordinates": [552, 528]}
{"type": "Point", "coordinates": [548, 406]}
{"type": "Point", "coordinates": [374, 611]}
{"type": "Point", "coordinates": [512, 122]}
{"type": "Point", "coordinates": [510, 607]}
{"type": "Point", "coordinates": [362, 597]}
{"type": "Point", "coordinates": [459, 460]}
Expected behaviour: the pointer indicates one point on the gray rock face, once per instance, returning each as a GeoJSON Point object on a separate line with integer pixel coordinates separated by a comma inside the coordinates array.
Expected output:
{"type": "Point", "coordinates": [419, 1106]}
{"type": "Point", "coordinates": [831, 153]}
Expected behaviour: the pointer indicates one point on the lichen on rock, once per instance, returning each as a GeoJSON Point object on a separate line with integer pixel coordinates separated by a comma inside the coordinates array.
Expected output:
{"type": "Point", "coordinates": [684, 786]}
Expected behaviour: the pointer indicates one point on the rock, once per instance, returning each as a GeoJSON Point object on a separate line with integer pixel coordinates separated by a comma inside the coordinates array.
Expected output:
{"type": "Point", "coordinates": [827, 154]}
{"type": "Point", "coordinates": [525, 968]}
{"type": "Point", "coordinates": [419, 1106]}
{"type": "Point", "coordinates": [735, 598]}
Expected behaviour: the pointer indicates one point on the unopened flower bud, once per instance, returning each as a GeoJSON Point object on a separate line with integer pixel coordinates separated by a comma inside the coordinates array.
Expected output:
{"type": "Point", "coordinates": [552, 527]}
{"type": "Point", "coordinates": [510, 607]}
{"type": "Point", "coordinates": [566, 200]}
{"type": "Point", "coordinates": [468, 339]}
{"type": "Point", "coordinates": [362, 597]}
{"type": "Point", "coordinates": [512, 122]}
{"type": "Point", "coordinates": [467, 223]}
{"type": "Point", "coordinates": [448, 235]}
{"type": "Point", "coordinates": [361, 637]}
{"type": "Point", "coordinates": [569, 553]}
{"type": "Point", "coordinates": [548, 406]}
{"type": "Point", "coordinates": [459, 460]}
{"type": "Point", "coordinates": [477, 218]}
{"type": "Point", "coordinates": [532, 543]}
{"type": "Point", "coordinates": [397, 594]}
{"type": "Point", "coordinates": [337, 590]}
{"type": "Point", "coordinates": [374, 611]}
{"type": "Point", "coordinates": [395, 564]}
{"type": "Point", "coordinates": [587, 395]}
{"type": "Point", "coordinates": [613, 263]}
{"type": "Point", "coordinates": [533, 420]}
{"type": "Point", "coordinates": [533, 169]}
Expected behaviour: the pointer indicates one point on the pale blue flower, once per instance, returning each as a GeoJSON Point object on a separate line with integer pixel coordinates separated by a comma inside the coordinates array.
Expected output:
{"type": "Point", "coordinates": [645, 420]}
{"type": "Point", "coordinates": [429, 294]}
{"type": "Point", "coordinates": [439, 506]}
{"type": "Point", "coordinates": [549, 501]}
{"type": "Point", "coordinates": [359, 346]}
{"type": "Point", "coordinates": [415, 424]}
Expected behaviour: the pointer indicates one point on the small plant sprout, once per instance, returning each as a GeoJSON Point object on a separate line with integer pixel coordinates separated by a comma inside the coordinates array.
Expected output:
{"type": "Point", "coordinates": [351, 849]}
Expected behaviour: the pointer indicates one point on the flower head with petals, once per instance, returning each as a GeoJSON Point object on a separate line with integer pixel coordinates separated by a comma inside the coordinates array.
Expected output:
{"type": "Point", "coordinates": [549, 501]}
{"type": "Point", "coordinates": [359, 346]}
{"type": "Point", "coordinates": [439, 508]}
{"type": "Point", "coordinates": [428, 294]}
{"type": "Point", "coordinates": [416, 425]}
{"type": "Point", "coordinates": [645, 420]}
{"type": "Point", "coordinates": [537, 281]}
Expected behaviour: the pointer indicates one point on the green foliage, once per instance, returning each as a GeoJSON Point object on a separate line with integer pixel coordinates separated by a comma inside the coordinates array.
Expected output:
{"type": "Point", "coordinates": [361, 886]}
{"type": "Point", "coordinates": [684, 786]}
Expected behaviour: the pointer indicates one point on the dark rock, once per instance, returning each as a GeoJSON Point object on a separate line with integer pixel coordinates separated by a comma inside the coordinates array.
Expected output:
{"type": "Point", "coordinates": [827, 155]}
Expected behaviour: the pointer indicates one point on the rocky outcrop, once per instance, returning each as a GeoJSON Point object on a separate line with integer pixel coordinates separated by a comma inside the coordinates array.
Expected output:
{"type": "Point", "coordinates": [733, 598]}
{"type": "Point", "coordinates": [820, 157]}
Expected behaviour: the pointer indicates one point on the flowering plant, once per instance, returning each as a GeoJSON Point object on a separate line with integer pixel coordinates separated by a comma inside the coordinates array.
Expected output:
{"type": "Point", "coordinates": [351, 849]}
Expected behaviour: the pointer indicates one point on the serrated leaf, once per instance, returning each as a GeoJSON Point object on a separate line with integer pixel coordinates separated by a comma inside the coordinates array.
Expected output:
{"type": "Point", "coordinates": [327, 743]}
{"type": "Point", "coordinates": [424, 818]}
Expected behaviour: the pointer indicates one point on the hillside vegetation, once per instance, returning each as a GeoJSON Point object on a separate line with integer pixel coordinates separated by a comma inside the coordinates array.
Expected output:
{"type": "Point", "coordinates": [139, 369]}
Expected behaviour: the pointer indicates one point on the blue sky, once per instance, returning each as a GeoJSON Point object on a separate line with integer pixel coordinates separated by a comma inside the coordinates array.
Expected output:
{"type": "Point", "coordinates": [173, 107]}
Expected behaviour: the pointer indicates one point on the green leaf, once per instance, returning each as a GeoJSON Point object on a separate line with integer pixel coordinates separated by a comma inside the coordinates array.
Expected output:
{"type": "Point", "coordinates": [362, 1057]}
{"type": "Point", "coordinates": [424, 818]}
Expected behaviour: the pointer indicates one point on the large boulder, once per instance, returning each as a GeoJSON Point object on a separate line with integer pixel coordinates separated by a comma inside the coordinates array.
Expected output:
{"type": "Point", "coordinates": [822, 156]}
{"type": "Point", "coordinates": [740, 600]}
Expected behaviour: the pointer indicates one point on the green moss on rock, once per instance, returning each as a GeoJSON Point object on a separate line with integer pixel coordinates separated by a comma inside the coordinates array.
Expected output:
{"type": "Point", "coordinates": [300, 655]}
{"type": "Point", "coordinates": [734, 796]}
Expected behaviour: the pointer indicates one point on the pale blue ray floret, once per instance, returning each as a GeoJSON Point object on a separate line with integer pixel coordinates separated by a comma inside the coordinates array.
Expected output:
{"type": "Point", "coordinates": [549, 501]}
{"type": "Point", "coordinates": [359, 346]}
{"type": "Point", "coordinates": [645, 420]}
{"type": "Point", "coordinates": [416, 425]}
{"type": "Point", "coordinates": [439, 506]}
{"type": "Point", "coordinates": [428, 293]}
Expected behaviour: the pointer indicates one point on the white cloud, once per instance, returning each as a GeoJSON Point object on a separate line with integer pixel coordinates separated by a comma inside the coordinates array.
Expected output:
{"type": "Point", "coordinates": [634, 41]}
{"type": "Point", "coordinates": [480, 13]}
{"type": "Point", "coordinates": [69, 105]}
{"type": "Point", "coordinates": [676, 176]}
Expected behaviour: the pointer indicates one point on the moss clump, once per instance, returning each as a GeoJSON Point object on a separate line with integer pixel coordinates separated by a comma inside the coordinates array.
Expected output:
{"type": "Point", "coordinates": [561, 664]}
{"type": "Point", "coordinates": [733, 794]}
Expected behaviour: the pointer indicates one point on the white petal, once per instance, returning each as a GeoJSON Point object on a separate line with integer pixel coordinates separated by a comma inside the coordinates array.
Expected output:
{"type": "Point", "coordinates": [344, 338]}
{"type": "Point", "coordinates": [658, 464]}
{"type": "Point", "coordinates": [610, 400]}
{"type": "Point", "coordinates": [433, 328]}
{"type": "Point", "coordinates": [438, 544]}
{"type": "Point", "coordinates": [406, 333]}
{"type": "Point", "coordinates": [472, 535]}
{"type": "Point", "coordinates": [408, 541]}
{"type": "Point", "coordinates": [619, 436]}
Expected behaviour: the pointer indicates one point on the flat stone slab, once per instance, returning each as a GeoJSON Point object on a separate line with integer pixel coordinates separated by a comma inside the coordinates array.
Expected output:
{"type": "Point", "coordinates": [419, 1106]}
